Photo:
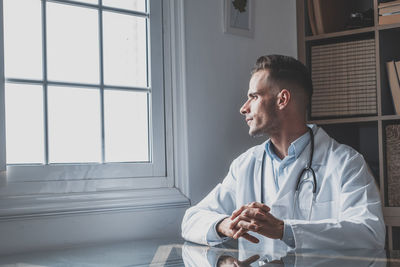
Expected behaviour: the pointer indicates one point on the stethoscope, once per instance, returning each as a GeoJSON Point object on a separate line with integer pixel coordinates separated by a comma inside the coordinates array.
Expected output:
{"type": "Point", "coordinates": [299, 182]}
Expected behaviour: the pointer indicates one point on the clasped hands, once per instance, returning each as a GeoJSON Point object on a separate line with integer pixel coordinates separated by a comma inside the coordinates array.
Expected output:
{"type": "Point", "coordinates": [253, 217]}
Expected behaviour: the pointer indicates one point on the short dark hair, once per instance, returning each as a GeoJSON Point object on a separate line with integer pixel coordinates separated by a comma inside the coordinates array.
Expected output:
{"type": "Point", "coordinates": [286, 72]}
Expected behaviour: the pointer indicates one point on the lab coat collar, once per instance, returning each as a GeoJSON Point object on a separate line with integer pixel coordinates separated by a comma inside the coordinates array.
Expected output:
{"type": "Point", "coordinates": [321, 142]}
{"type": "Point", "coordinates": [295, 149]}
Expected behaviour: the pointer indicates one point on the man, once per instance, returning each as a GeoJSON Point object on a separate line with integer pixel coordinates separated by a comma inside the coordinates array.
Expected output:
{"type": "Point", "coordinates": [269, 196]}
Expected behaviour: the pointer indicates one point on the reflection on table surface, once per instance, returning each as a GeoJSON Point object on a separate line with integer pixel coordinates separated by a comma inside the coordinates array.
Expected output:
{"type": "Point", "coordinates": [165, 252]}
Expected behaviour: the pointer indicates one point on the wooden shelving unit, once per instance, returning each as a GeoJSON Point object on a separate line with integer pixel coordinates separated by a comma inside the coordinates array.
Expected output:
{"type": "Point", "coordinates": [339, 34]}
{"type": "Point", "coordinates": [364, 133]}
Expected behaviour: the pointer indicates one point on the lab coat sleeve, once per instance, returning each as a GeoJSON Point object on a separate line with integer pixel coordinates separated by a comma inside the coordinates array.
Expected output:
{"type": "Point", "coordinates": [359, 223]}
{"type": "Point", "coordinates": [199, 222]}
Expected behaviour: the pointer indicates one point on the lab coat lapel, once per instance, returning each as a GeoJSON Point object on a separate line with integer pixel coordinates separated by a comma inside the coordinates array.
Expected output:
{"type": "Point", "coordinates": [258, 154]}
{"type": "Point", "coordinates": [270, 192]}
{"type": "Point", "coordinates": [282, 207]}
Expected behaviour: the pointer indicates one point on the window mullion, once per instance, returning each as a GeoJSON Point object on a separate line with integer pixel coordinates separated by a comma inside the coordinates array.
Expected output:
{"type": "Point", "coordinates": [150, 135]}
{"type": "Point", "coordinates": [45, 85]}
{"type": "Point", "coordinates": [2, 97]}
{"type": "Point", "coordinates": [101, 80]}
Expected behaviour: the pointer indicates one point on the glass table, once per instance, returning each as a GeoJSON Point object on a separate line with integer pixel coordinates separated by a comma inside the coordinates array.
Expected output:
{"type": "Point", "coordinates": [167, 252]}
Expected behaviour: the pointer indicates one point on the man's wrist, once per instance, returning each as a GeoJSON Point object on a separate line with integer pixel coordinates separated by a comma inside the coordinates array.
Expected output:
{"type": "Point", "coordinates": [219, 229]}
{"type": "Point", "coordinates": [281, 228]}
{"type": "Point", "coordinates": [288, 236]}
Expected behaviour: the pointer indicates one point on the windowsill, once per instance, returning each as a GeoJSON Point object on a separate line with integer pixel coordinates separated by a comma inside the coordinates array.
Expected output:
{"type": "Point", "coordinates": [31, 206]}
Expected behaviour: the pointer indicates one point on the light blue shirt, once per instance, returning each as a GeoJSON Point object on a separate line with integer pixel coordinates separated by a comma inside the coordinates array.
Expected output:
{"type": "Point", "coordinates": [280, 171]}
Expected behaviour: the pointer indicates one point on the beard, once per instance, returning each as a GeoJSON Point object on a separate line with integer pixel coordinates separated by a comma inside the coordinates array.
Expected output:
{"type": "Point", "coordinates": [269, 124]}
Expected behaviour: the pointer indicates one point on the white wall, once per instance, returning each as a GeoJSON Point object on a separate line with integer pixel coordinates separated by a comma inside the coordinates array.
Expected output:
{"type": "Point", "coordinates": [218, 67]}
{"type": "Point", "coordinates": [218, 71]}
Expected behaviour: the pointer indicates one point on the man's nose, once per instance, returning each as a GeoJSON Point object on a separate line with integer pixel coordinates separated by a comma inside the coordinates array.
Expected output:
{"type": "Point", "coordinates": [244, 109]}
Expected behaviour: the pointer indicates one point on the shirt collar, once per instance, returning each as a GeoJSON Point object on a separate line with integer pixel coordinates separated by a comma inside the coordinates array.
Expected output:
{"type": "Point", "coordinates": [295, 148]}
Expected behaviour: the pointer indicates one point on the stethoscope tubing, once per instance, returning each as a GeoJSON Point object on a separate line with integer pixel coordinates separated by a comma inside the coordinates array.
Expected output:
{"type": "Point", "coordinates": [308, 168]}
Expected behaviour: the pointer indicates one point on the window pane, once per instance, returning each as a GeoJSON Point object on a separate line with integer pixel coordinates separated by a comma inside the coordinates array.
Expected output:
{"type": "Point", "coordinates": [74, 125]}
{"type": "Point", "coordinates": [136, 5]}
{"type": "Point", "coordinates": [24, 123]}
{"type": "Point", "coordinates": [72, 43]}
{"type": "Point", "coordinates": [23, 39]}
{"type": "Point", "coordinates": [124, 50]}
{"type": "Point", "coordinates": [126, 124]}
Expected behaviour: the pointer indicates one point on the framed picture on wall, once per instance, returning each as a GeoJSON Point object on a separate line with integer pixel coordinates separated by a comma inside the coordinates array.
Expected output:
{"type": "Point", "coordinates": [239, 17]}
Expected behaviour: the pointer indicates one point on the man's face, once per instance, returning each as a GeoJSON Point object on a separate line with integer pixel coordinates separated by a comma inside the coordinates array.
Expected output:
{"type": "Point", "coordinates": [260, 108]}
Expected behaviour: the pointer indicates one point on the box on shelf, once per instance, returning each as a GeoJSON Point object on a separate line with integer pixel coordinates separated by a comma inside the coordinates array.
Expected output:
{"type": "Point", "coordinates": [393, 164]}
{"type": "Point", "coordinates": [344, 78]}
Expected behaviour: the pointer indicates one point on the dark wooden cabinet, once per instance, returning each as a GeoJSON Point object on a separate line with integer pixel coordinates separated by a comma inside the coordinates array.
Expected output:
{"type": "Point", "coordinates": [365, 132]}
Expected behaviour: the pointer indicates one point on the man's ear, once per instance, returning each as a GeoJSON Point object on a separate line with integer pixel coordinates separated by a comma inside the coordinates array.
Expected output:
{"type": "Point", "coordinates": [283, 98]}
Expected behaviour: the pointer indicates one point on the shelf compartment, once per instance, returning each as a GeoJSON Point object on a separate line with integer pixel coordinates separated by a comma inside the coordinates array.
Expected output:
{"type": "Point", "coordinates": [396, 238]}
{"type": "Point", "coordinates": [391, 147]}
{"type": "Point", "coordinates": [333, 16]}
{"type": "Point", "coordinates": [389, 43]}
{"type": "Point", "coordinates": [344, 77]}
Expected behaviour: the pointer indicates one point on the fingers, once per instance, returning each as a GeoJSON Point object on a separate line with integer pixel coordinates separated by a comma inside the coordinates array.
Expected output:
{"type": "Point", "coordinates": [237, 212]}
{"type": "Point", "coordinates": [249, 226]}
{"type": "Point", "coordinates": [244, 227]}
{"type": "Point", "coordinates": [223, 227]}
{"type": "Point", "coordinates": [243, 233]}
{"type": "Point", "coordinates": [251, 238]}
{"type": "Point", "coordinates": [234, 223]}
{"type": "Point", "coordinates": [248, 215]}
{"type": "Point", "coordinates": [261, 206]}
{"type": "Point", "coordinates": [240, 233]}
{"type": "Point", "coordinates": [247, 218]}
{"type": "Point", "coordinates": [258, 205]}
{"type": "Point", "coordinates": [251, 260]}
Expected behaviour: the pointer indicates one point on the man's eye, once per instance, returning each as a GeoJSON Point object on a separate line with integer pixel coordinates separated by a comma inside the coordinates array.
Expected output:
{"type": "Point", "coordinates": [251, 97]}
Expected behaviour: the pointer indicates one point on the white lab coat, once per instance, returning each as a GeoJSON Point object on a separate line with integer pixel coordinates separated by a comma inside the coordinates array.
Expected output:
{"type": "Point", "coordinates": [346, 212]}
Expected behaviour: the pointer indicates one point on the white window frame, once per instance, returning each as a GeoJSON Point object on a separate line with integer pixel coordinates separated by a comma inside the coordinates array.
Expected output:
{"type": "Point", "coordinates": [66, 178]}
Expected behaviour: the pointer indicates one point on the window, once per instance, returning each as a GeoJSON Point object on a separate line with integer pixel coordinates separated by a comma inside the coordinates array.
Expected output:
{"type": "Point", "coordinates": [83, 91]}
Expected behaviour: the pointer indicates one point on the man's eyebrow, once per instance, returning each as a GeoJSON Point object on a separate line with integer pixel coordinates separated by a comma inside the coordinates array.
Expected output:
{"type": "Point", "coordinates": [253, 93]}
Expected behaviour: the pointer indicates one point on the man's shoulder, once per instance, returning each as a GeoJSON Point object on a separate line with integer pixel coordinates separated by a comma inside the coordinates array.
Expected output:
{"type": "Point", "coordinates": [336, 151]}
{"type": "Point", "coordinates": [244, 165]}
{"type": "Point", "coordinates": [252, 153]}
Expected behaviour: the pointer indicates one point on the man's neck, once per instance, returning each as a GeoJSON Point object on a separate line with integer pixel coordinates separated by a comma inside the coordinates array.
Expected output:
{"type": "Point", "coordinates": [282, 140]}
